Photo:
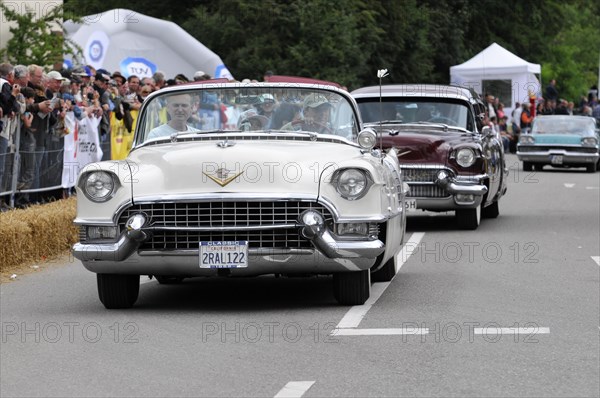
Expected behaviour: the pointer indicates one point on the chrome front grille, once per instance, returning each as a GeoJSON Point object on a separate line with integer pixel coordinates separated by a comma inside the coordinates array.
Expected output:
{"type": "Point", "coordinates": [426, 191]}
{"type": "Point", "coordinates": [419, 175]}
{"type": "Point", "coordinates": [422, 182]}
{"type": "Point", "coordinates": [288, 238]}
{"type": "Point", "coordinates": [263, 224]}
{"type": "Point", "coordinates": [542, 148]}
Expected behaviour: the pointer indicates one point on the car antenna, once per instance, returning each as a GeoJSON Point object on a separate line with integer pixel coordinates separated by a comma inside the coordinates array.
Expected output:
{"type": "Point", "coordinates": [381, 73]}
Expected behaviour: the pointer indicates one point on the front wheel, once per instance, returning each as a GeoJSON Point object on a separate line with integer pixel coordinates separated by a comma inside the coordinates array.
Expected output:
{"type": "Point", "coordinates": [492, 211]}
{"type": "Point", "coordinates": [352, 288]}
{"type": "Point", "coordinates": [468, 218]}
{"type": "Point", "coordinates": [118, 291]}
{"type": "Point", "coordinates": [527, 166]}
{"type": "Point", "coordinates": [591, 168]}
{"type": "Point", "coordinates": [385, 273]}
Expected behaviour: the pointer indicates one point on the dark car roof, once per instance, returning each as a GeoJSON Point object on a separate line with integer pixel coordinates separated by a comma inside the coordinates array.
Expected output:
{"type": "Point", "coordinates": [416, 90]}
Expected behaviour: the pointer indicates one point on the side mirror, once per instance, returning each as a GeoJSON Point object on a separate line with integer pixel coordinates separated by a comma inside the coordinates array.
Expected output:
{"type": "Point", "coordinates": [486, 131]}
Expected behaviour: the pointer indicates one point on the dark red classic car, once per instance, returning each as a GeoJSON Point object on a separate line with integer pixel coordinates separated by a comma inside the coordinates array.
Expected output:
{"type": "Point", "coordinates": [449, 160]}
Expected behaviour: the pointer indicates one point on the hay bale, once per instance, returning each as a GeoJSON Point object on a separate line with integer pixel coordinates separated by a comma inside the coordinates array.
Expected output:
{"type": "Point", "coordinates": [37, 233]}
{"type": "Point", "coordinates": [14, 233]}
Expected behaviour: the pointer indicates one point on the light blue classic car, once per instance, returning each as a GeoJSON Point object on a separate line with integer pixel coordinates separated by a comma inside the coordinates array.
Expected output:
{"type": "Point", "coordinates": [560, 141]}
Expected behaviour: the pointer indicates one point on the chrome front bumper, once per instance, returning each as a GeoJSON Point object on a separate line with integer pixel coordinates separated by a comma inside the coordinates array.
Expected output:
{"type": "Point", "coordinates": [567, 157]}
{"type": "Point", "coordinates": [329, 254]}
{"type": "Point", "coordinates": [456, 187]}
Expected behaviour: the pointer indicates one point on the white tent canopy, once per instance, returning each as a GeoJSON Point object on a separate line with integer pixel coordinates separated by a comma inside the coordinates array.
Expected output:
{"type": "Point", "coordinates": [499, 72]}
{"type": "Point", "coordinates": [133, 43]}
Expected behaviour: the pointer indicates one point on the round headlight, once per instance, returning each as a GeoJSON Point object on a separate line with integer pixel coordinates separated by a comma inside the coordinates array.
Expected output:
{"type": "Point", "coordinates": [526, 139]}
{"type": "Point", "coordinates": [465, 157]}
{"type": "Point", "coordinates": [352, 184]}
{"type": "Point", "coordinates": [367, 138]}
{"type": "Point", "coordinates": [589, 141]}
{"type": "Point", "coordinates": [99, 186]}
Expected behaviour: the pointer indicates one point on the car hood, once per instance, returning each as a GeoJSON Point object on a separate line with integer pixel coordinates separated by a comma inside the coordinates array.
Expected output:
{"type": "Point", "coordinates": [427, 147]}
{"type": "Point", "coordinates": [569, 139]}
{"type": "Point", "coordinates": [248, 167]}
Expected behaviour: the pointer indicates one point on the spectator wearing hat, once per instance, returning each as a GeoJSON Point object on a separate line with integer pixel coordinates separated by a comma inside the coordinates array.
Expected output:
{"type": "Point", "coordinates": [84, 73]}
{"type": "Point", "coordinates": [100, 86]}
{"type": "Point", "coordinates": [181, 78]}
{"type": "Point", "coordinates": [200, 76]}
{"type": "Point", "coordinates": [316, 112]}
{"type": "Point", "coordinates": [251, 120]}
{"type": "Point", "coordinates": [118, 78]}
{"type": "Point", "coordinates": [54, 81]}
{"type": "Point", "coordinates": [267, 105]}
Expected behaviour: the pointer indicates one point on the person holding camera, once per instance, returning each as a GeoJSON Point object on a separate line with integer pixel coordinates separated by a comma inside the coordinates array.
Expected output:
{"type": "Point", "coordinates": [101, 85]}
{"type": "Point", "coordinates": [43, 121]}
{"type": "Point", "coordinates": [9, 107]}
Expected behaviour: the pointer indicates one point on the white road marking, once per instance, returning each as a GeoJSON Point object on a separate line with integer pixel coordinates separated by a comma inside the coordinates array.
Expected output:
{"type": "Point", "coordinates": [355, 314]}
{"type": "Point", "coordinates": [379, 332]}
{"type": "Point", "coordinates": [596, 259]}
{"type": "Point", "coordinates": [294, 389]}
{"type": "Point", "coordinates": [592, 187]}
{"type": "Point", "coordinates": [569, 185]}
{"type": "Point", "coordinates": [489, 331]}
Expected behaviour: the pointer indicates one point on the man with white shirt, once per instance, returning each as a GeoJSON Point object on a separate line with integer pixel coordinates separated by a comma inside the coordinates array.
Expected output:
{"type": "Point", "coordinates": [179, 109]}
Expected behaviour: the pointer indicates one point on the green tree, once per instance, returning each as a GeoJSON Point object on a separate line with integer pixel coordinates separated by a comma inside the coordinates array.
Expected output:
{"type": "Point", "coordinates": [316, 38]}
{"type": "Point", "coordinates": [573, 61]}
{"type": "Point", "coordinates": [416, 40]}
{"type": "Point", "coordinates": [36, 40]}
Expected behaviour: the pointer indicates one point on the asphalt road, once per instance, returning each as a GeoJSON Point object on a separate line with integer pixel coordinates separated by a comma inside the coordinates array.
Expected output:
{"type": "Point", "coordinates": [511, 309]}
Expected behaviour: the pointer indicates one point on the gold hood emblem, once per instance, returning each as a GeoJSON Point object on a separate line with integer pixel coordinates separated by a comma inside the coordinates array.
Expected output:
{"type": "Point", "coordinates": [220, 176]}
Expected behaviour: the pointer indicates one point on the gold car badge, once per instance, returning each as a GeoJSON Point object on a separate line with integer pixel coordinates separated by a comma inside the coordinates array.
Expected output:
{"type": "Point", "coordinates": [220, 176]}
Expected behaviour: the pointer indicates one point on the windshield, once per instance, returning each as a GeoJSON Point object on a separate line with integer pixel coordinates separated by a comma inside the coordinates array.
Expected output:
{"type": "Point", "coordinates": [411, 110]}
{"type": "Point", "coordinates": [222, 109]}
{"type": "Point", "coordinates": [561, 125]}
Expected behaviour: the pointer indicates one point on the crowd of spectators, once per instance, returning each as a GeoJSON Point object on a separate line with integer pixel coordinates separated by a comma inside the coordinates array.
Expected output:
{"type": "Point", "coordinates": [509, 127]}
{"type": "Point", "coordinates": [34, 104]}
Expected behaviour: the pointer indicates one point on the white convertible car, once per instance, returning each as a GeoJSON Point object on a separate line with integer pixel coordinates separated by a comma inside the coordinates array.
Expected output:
{"type": "Point", "coordinates": [228, 179]}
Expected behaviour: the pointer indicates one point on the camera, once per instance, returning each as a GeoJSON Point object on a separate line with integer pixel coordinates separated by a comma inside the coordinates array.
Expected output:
{"type": "Point", "coordinates": [90, 96]}
{"type": "Point", "coordinates": [54, 102]}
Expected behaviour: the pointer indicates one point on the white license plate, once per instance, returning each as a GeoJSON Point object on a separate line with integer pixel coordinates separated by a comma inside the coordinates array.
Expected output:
{"type": "Point", "coordinates": [226, 254]}
{"type": "Point", "coordinates": [556, 159]}
{"type": "Point", "coordinates": [410, 205]}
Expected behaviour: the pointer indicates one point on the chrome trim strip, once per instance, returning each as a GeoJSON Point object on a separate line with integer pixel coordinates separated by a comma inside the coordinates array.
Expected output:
{"type": "Point", "coordinates": [231, 228]}
{"type": "Point", "coordinates": [225, 197]}
{"type": "Point", "coordinates": [423, 166]}
{"type": "Point", "coordinates": [82, 221]}
{"type": "Point", "coordinates": [251, 252]}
